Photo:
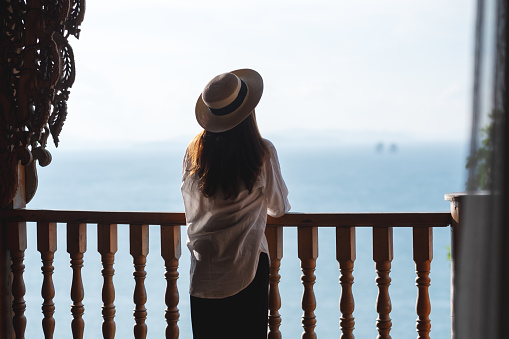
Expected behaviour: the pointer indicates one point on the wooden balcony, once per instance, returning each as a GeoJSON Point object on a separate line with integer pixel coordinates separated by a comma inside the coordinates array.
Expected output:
{"type": "Point", "coordinates": [14, 226]}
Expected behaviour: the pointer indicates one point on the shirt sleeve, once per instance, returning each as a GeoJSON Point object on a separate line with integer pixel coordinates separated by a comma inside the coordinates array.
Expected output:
{"type": "Point", "coordinates": [275, 189]}
{"type": "Point", "coordinates": [185, 162]}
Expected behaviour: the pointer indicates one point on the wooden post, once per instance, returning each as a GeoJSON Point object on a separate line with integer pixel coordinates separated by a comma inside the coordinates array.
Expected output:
{"type": "Point", "coordinates": [76, 247]}
{"type": "Point", "coordinates": [6, 296]}
{"type": "Point", "coordinates": [383, 255]}
{"type": "Point", "coordinates": [5, 287]}
{"type": "Point", "coordinates": [345, 255]}
{"type": "Point", "coordinates": [423, 254]}
{"type": "Point", "coordinates": [138, 238]}
{"type": "Point", "coordinates": [47, 246]}
{"type": "Point", "coordinates": [17, 242]}
{"type": "Point", "coordinates": [171, 251]}
{"type": "Point", "coordinates": [308, 253]}
{"type": "Point", "coordinates": [107, 247]}
{"type": "Point", "coordinates": [275, 241]}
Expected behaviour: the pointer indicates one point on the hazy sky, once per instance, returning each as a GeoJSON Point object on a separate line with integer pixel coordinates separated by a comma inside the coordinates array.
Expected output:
{"type": "Point", "coordinates": [367, 69]}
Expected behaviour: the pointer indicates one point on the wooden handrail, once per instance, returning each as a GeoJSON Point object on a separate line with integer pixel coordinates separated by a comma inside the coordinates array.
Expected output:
{"type": "Point", "coordinates": [393, 219]}
{"type": "Point", "coordinates": [95, 217]}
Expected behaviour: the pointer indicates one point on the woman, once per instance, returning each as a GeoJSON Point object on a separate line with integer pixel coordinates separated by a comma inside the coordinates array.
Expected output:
{"type": "Point", "coordinates": [231, 181]}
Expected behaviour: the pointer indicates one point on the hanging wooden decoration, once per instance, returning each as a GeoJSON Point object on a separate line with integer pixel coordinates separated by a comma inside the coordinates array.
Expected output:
{"type": "Point", "coordinates": [36, 72]}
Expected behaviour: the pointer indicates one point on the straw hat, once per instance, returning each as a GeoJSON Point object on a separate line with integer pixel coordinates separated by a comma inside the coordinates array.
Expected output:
{"type": "Point", "coordinates": [228, 99]}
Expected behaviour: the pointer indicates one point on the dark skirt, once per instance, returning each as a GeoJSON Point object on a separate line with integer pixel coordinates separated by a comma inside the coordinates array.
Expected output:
{"type": "Point", "coordinates": [243, 315]}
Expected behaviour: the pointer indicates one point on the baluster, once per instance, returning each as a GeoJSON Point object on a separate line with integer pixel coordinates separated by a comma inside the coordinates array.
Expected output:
{"type": "Point", "coordinates": [139, 251]}
{"type": "Point", "coordinates": [275, 240]}
{"type": "Point", "coordinates": [107, 247]}
{"type": "Point", "coordinates": [47, 245]}
{"type": "Point", "coordinates": [76, 247]}
{"type": "Point", "coordinates": [383, 255]}
{"type": "Point", "coordinates": [5, 284]}
{"type": "Point", "coordinates": [308, 252]}
{"type": "Point", "coordinates": [171, 251]}
{"type": "Point", "coordinates": [345, 255]}
{"type": "Point", "coordinates": [17, 243]}
{"type": "Point", "coordinates": [423, 254]}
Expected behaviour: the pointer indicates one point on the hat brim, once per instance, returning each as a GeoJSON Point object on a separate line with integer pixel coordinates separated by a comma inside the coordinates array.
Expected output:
{"type": "Point", "coordinates": [215, 123]}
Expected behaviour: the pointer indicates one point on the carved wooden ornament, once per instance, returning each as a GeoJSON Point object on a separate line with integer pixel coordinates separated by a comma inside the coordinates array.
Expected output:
{"type": "Point", "coordinates": [36, 72]}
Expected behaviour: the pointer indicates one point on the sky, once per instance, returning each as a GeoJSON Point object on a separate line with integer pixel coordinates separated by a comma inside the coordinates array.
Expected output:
{"type": "Point", "coordinates": [347, 71]}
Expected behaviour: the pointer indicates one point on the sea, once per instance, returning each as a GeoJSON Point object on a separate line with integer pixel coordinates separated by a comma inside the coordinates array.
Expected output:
{"type": "Point", "coordinates": [378, 177]}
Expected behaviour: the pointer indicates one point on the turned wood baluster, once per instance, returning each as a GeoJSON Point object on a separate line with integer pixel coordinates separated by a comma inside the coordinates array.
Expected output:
{"type": "Point", "coordinates": [171, 251]}
{"type": "Point", "coordinates": [76, 247]}
{"type": "Point", "coordinates": [47, 245]}
{"type": "Point", "coordinates": [308, 252]}
{"type": "Point", "coordinates": [345, 255]}
{"type": "Point", "coordinates": [107, 247]}
{"type": "Point", "coordinates": [5, 284]}
{"type": "Point", "coordinates": [138, 235]}
{"type": "Point", "coordinates": [423, 254]}
{"type": "Point", "coordinates": [275, 240]}
{"type": "Point", "coordinates": [383, 255]}
{"type": "Point", "coordinates": [17, 243]}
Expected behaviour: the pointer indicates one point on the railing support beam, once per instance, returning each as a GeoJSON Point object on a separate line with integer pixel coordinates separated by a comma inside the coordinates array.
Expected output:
{"type": "Point", "coordinates": [5, 286]}
{"type": "Point", "coordinates": [47, 246]}
{"type": "Point", "coordinates": [17, 242]}
{"type": "Point", "coordinates": [171, 252]}
{"type": "Point", "coordinates": [139, 251]}
{"type": "Point", "coordinates": [383, 254]}
{"type": "Point", "coordinates": [76, 247]}
{"type": "Point", "coordinates": [308, 253]}
{"type": "Point", "coordinates": [345, 255]}
{"type": "Point", "coordinates": [275, 241]}
{"type": "Point", "coordinates": [6, 289]}
{"type": "Point", "coordinates": [423, 255]}
{"type": "Point", "coordinates": [107, 247]}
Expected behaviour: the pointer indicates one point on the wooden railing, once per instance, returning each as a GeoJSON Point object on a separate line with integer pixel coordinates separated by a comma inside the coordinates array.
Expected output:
{"type": "Point", "coordinates": [382, 224]}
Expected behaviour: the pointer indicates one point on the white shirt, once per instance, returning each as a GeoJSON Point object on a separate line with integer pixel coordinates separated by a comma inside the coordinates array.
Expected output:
{"type": "Point", "coordinates": [226, 237]}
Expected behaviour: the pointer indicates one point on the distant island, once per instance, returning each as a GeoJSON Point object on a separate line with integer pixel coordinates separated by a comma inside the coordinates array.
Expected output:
{"type": "Point", "coordinates": [380, 147]}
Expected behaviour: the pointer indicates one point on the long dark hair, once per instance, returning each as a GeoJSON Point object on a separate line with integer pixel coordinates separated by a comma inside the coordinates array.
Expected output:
{"type": "Point", "coordinates": [224, 161]}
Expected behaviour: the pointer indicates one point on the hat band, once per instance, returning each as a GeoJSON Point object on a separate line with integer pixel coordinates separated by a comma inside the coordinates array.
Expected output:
{"type": "Point", "coordinates": [234, 104]}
